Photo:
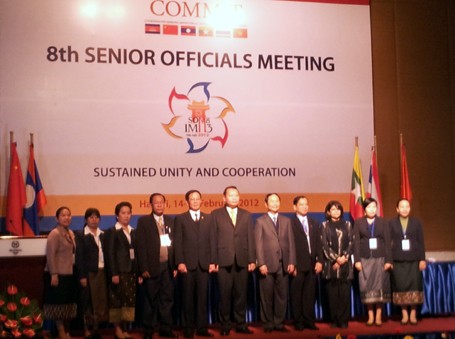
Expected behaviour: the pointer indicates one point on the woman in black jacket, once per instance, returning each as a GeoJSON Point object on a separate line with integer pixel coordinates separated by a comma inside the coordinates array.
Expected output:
{"type": "Point", "coordinates": [408, 252]}
{"type": "Point", "coordinates": [90, 251]}
{"type": "Point", "coordinates": [373, 260]}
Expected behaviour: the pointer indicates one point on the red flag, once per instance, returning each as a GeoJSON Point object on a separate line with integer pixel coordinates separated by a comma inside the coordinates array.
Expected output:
{"type": "Point", "coordinates": [357, 192]}
{"type": "Point", "coordinates": [36, 198]}
{"type": "Point", "coordinates": [15, 202]}
{"type": "Point", "coordinates": [373, 183]}
{"type": "Point", "coordinates": [405, 187]}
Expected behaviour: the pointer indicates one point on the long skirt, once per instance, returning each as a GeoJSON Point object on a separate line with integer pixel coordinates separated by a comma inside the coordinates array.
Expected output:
{"type": "Point", "coordinates": [374, 281]}
{"type": "Point", "coordinates": [407, 283]}
{"type": "Point", "coordinates": [122, 299]}
{"type": "Point", "coordinates": [94, 299]}
{"type": "Point", "coordinates": [60, 301]}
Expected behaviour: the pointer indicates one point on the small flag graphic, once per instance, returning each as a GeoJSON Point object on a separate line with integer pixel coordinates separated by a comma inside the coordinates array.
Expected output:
{"type": "Point", "coordinates": [240, 33]}
{"type": "Point", "coordinates": [171, 29]}
{"type": "Point", "coordinates": [152, 28]}
{"type": "Point", "coordinates": [188, 30]}
{"type": "Point", "coordinates": [205, 31]}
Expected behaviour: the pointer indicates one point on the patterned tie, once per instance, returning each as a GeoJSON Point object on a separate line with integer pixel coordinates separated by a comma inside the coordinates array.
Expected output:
{"type": "Point", "coordinates": [305, 226]}
{"type": "Point", "coordinates": [196, 219]}
{"type": "Point", "coordinates": [232, 214]}
{"type": "Point", "coordinates": [160, 223]}
{"type": "Point", "coordinates": [275, 222]}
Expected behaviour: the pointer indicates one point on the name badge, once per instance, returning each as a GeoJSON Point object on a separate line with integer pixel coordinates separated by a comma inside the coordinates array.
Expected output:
{"type": "Point", "coordinates": [165, 240]}
{"type": "Point", "coordinates": [132, 253]}
{"type": "Point", "coordinates": [373, 243]}
{"type": "Point", "coordinates": [405, 245]}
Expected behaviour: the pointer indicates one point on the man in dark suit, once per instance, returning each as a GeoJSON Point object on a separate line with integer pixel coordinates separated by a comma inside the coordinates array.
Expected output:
{"type": "Point", "coordinates": [309, 264]}
{"type": "Point", "coordinates": [275, 252]}
{"type": "Point", "coordinates": [233, 256]}
{"type": "Point", "coordinates": [156, 266]}
{"type": "Point", "coordinates": [192, 257]}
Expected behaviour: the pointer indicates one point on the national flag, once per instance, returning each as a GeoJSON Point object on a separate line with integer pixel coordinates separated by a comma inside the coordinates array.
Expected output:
{"type": "Point", "coordinates": [171, 29]}
{"type": "Point", "coordinates": [405, 186]}
{"type": "Point", "coordinates": [357, 192]}
{"type": "Point", "coordinates": [223, 33]}
{"type": "Point", "coordinates": [205, 31]}
{"type": "Point", "coordinates": [374, 190]}
{"type": "Point", "coordinates": [153, 28]}
{"type": "Point", "coordinates": [36, 198]}
{"type": "Point", "coordinates": [16, 199]}
{"type": "Point", "coordinates": [188, 30]}
{"type": "Point", "coordinates": [241, 33]}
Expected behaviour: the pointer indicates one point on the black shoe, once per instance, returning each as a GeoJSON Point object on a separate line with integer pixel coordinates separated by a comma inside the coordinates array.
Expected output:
{"type": "Point", "coordinates": [333, 325]}
{"type": "Point", "coordinates": [281, 329]}
{"type": "Point", "coordinates": [312, 327]}
{"type": "Point", "coordinates": [168, 334]}
{"type": "Point", "coordinates": [343, 325]}
{"type": "Point", "coordinates": [204, 333]}
{"type": "Point", "coordinates": [244, 330]}
{"type": "Point", "coordinates": [225, 332]}
{"type": "Point", "coordinates": [299, 327]}
{"type": "Point", "coordinates": [268, 330]}
{"type": "Point", "coordinates": [148, 334]}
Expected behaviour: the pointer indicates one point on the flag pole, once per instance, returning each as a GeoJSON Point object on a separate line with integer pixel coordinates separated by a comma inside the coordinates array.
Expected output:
{"type": "Point", "coordinates": [375, 149]}
{"type": "Point", "coordinates": [11, 137]}
{"type": "Point", "coordinates": [31, 139]}
{"type": "Point", "coordinates": [356, 141]}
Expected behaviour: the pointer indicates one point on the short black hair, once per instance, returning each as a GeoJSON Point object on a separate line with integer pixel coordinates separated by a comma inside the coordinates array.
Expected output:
{"type": "Point", "coordinates": [92, 211]}
{"type": "Point", "coordinates": [297, 198]}
{"type": "Point", "coordinates": [153, 195]}
{"type": "Point", "coordinates": [119, 206]}
{"type": "Point", "coordinates": [368, 201]}
{"type": "Point", "coordinates": [269, 195]}
{"type": "Point", "coordinates": [230, 188]}
{"type": "Point", "coordinates": [60, 210]}
{"type": "Point", "coordinates": [187, 194]}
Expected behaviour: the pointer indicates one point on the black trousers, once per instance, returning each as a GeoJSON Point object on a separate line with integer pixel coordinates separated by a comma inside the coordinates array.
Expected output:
{"type": "Point", "coordinates": [159, 294]}
{"type": "Point", "coordinates": [339, 297]}
{"type": "Point", "coordinates": [303, 289]}
{"type": "Point", "coordinates": [194, 296]}
{"type": "Point", "coordinates": [233, 287]}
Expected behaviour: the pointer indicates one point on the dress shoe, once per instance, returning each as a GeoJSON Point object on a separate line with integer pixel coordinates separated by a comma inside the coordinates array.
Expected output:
{"type": "Point", "coordinates": [168, 334]}
{"type": "Point", "coordinates": [312, 327]}
{"type": "Point", "coordinates": [343, 325]}
{"type": "Point", "coordinates": [204, 333]}
{"type": "Point", "coordinates": [268, 330]}
{"type": "Point", "coordinates": [225, 333]}
{"type": "Point", "coordinates": [333, 325]}
{"type": "Point", "coordinates": [299, 327]}
{"type": "Point", "coordinates": [244, 330]}
{"type": "Point", "coordinates": [378, 324]}
{"type": "Point", "coordinates": [281, 329]}
{"type": "Point", "coordinates": [404, 323]}
{"type": "Point", "coordinates": [368, 324]}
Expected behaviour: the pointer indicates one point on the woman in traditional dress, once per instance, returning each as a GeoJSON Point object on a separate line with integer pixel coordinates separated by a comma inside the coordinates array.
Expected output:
{"type": "Point", "coordinates": [337, 245]}
{"type": "Point", "coordinates": [373, 260]}
{"type": "Point", "coordinates": [408, 252]}
{"type": "Point", "coordinates": [92, 276]}
{"type": "Point", "coordinates": [122, 268]}
{"type": "Point", "coordinates": [59, 282]}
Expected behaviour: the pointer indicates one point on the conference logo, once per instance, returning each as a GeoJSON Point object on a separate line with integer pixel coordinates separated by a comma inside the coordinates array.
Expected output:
{"type": "Point", "coordinates": [198, 117]}
{"type": "Point", "coordinates": [197, 19]}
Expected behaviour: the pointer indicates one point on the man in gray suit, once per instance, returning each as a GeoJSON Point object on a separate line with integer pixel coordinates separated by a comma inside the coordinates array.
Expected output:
{"type": "Point", "coordinates": [233, 256]}
{"type": "Point", "coordinates": [275, 252]}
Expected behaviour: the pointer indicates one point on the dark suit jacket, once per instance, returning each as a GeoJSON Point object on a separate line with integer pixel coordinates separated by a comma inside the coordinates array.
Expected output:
{"type": "Point", "coordinates": [272, 247]}
{"type": "Point", "coordinates": [148, 244]}
{"type": "Point", "coordinates": [414, 233]}
{"type": "Point", "coordinates": [362, 238]}
{"type": "Point", "coordinates": [192, 240]}
{"type": "Point", "coordinates": [231, 243]}
{"type": "Point", "coordinates": [304, 260]}
{"type": "Point", "coordinates": [118, 250]}
{"type": "Point", "coordinates": [87, 253]}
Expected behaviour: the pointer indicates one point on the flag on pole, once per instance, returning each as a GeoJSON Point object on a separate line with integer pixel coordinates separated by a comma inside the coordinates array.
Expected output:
{"type": "Point", "coordinates": [15, 201]}
{"type": "Point", "coordinates": [405, 186]}
{"type": "Point", "coordinates": [36, 198]}
{"type": "Point", "coordinates": [357, 191]}
{"type": "Point", "coordinates": [373, 183]}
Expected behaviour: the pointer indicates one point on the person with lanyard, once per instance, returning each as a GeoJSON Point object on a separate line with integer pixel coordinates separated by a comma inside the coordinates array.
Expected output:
{"type": "Point", "coordinates": [373, 260]}
{"type": "Point", "coordinates": [408, 252]}
{"type": "Point", "coordinates": [275, 253]}
{"type": "Point", "coordinates": [309, 263]}
{"type": "Point", "coordinates": [233, 256]}
{"type": "Point", "coordinates": [155, 255]}
{"type": "Point", "coordinates": [337, 243]}
{"type": "Point", "coordinates": [59, 281]}
{"type": "Point", "coordinates": [193, 258]}
{"type": "Point", "coordinates": [92, 276]}
{"type": "Point", "coordinates": [122, 268]}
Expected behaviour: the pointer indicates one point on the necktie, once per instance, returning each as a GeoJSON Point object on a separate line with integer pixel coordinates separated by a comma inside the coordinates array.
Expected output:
{"type": "Point", "coordinates": [232, 213]}
{"type": "Point", "coordinates": [196, 219]}
{"type": "Point", "coordinates": [160, 223]}
{"type": "Point", "coordinates": [305, 226]}
{"type": "Point", "coordinates": [275, 222]}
